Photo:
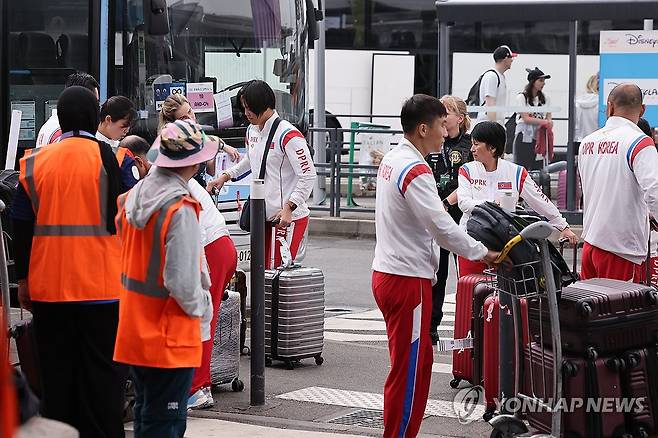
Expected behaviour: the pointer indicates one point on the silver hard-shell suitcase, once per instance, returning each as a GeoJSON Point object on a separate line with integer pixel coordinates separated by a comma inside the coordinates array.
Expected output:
{"type": "Point", "coordinates": [225, 358]}
{"type": "Point", "coordinates": [294, 315]}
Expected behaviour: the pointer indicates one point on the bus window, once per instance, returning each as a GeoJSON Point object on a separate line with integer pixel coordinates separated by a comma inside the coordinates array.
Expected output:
{"type": "Point", "coordinates": [220, 42]}
{"type": "Point", "coordinates": [47, 42]}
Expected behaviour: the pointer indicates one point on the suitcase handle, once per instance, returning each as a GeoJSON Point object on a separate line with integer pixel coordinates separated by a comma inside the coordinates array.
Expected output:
{"type": "Point", "coordinates": [563, 242]}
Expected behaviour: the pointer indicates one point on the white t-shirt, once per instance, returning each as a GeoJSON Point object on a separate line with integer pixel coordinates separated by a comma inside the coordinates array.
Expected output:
{"type": "Point", "coordinates": [213, 225]}
{"type": "Point", "coordinates": [489, 87]}
{"type": "Point", "coordinates": [528, 130]}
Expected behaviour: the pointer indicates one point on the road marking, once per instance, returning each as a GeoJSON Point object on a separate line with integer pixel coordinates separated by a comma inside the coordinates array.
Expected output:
{"type": "Point", "coordinates": [365, 400]}
{"type": "Point", "coordinates": [443, 368]}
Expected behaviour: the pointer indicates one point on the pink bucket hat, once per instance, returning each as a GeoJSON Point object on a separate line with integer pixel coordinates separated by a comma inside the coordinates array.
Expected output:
{"type": "Point", "coordinates": [182, 143]}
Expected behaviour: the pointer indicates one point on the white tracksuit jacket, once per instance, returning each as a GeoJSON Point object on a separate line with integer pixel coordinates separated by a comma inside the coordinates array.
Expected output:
{"type": "Point", "coordinates": [410, 218]}
{"type": "Point", "coordinates": [477, 186]}
{"type": "Point", "coordinates": [619, 172]}
{"type": "Point", "coordinates": [289, 172]}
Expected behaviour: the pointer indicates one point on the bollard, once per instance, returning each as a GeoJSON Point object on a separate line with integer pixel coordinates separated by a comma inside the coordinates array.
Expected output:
{"type": "Point", "coordinates": [257, 210]}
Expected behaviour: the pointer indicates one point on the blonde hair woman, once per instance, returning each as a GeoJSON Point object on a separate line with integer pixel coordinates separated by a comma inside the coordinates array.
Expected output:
{"type": "Point", "coordinates": [177, 107]}
{"type": "Point", "coordinates": [587, 109]}
{"type": "Point", "coordinates": [445, 167]}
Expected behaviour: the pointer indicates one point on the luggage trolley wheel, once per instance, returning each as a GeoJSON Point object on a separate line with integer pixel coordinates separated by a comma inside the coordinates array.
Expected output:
{"type": "Point", "coordinates": [268, 361]}
{"type": "Point", "coordinates": [454, 383]}
{"type": "Point", "coordinates": [237, 385]}
{"type": "Point", "coordinates": [319, 360]}
{"type": "Point", "coordinates": [488, 415]}
{"type": "Point", "coordinates": [246, 351]}
{"type": "Point", "coordinates": [290, 365]}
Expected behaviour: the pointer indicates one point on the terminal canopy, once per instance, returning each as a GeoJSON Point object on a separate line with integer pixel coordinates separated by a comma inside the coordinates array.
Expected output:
{"type": "Point", "coordinates": [463, 11]}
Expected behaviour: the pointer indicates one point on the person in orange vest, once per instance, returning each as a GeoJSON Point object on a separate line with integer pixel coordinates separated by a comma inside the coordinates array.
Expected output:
{"type": "Point", "coordinates": [67, 259]}
{"type": "Point", "coordinates": [131, 156]}
{"type": "Point", "coordinates": [165, 309]}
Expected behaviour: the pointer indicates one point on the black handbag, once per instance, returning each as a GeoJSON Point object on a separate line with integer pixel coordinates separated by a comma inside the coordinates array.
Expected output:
{"type": "Point", "coordinates": [245, 216]}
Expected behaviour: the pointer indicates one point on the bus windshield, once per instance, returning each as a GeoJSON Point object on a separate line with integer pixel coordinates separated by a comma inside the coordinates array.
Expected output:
{"type": "Point", "coordinates": [207, 48]}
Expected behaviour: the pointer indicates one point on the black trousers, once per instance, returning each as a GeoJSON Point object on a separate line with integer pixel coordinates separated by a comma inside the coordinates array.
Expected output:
{"type": "Point", "coordinates": [439, 289]}
{"type": "Point", "coordinates": [82, 385]}
{"type": "Point", "coordinates": [161, 401]}
{"type": "Point", "coordinates": [525, 155]}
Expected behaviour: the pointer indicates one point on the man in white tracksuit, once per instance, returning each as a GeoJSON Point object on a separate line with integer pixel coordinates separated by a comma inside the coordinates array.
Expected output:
{"type": "Point", "coordinates": [410, 220]}
{"type": "Point", "coordinates": [617, 167]}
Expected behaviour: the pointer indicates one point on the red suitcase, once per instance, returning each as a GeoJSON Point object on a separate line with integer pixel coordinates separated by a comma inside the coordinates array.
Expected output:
{"type": "Point", "coordinates": [472, 290]}
{"type": "Point", "coordinates": [562, 191]}
{"type": "Point", "coordinates": [491, 363]}
{"type": "Point", "coordinates": [608, 315]}
{"type": "Point", "coordinates": [640, 381]}
{"type": "Point", "coordinates": [595, 381]}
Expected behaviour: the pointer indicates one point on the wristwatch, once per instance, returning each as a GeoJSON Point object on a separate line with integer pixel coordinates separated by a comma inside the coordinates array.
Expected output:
{"type": "Point", "coordinates": [291, 205]}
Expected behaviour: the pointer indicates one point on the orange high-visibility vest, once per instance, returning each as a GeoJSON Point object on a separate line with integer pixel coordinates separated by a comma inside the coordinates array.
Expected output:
{"type": "Point", "coordinates": [74, 257]}
{"type": "Point", "coordinates": [153, 329]}
{"type": "Point", "coordinates": [122, 153]}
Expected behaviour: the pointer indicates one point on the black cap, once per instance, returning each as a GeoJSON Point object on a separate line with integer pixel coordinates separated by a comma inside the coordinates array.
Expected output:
{"type": "Point", "coordinates": [503, 52]}
{"type": "Point", "coordinates": [534, 74]}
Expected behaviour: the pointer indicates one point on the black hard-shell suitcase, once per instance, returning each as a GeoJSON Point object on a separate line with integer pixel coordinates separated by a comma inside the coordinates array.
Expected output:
{"type": "Point", "coordinates": [611, 316]}
{"type": "Point", "coordinates": [640, 382]}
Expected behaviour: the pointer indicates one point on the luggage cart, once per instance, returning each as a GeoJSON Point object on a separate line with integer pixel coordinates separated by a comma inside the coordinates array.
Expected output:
{"type": "Point", "coordinates": [528, 281]}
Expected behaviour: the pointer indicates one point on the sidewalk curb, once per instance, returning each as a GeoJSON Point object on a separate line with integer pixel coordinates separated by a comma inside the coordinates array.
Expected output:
{"type": "Point", "coordinates": [284, 423]}
{"type": "Point", "coordinates": [341, 227]}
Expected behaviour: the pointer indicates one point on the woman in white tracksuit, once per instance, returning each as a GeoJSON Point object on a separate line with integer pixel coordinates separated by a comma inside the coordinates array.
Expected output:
{"type": "Point", "coordinates": [491, 178]}
{"type": "Point", "coordinates": [289, 172]}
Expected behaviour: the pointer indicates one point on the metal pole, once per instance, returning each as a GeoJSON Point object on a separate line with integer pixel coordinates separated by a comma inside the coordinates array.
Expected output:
{"type": "Point", "coordinates": [4, 279]}
{"type": "Point", "coordinates": [319, 115]}
{"type": "Point", "coordinates": [444, 59]}
{"type": "Point", "coordinates": [648, 24]}
{"type": "Point", "coordinates": [571, 151]}
{"type": "Point", "coordinates": [257, 211]}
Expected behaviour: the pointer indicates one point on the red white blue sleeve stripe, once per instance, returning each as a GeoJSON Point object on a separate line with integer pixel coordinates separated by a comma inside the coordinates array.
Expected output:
{"type": "Point", "coordinates": [521, 175]}
{"type": "Point", "coordinates": [409, 173]}
{"type": "Point", "coordinates": [463, 171]}
{"type": "Point", "coordinates": [288, 135]}
{"type": "Point", "coordinates": [638, 145]}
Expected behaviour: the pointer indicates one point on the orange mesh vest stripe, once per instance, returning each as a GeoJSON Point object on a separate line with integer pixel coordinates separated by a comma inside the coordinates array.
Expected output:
{"type": "Point", "coordinates": [73, 258]}
{"type": "Point", "coordinates": [153, 329]}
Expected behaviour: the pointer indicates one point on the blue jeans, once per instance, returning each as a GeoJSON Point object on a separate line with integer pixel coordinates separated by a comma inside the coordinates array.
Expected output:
{"type": "Point", "coordinates": [161, 401]}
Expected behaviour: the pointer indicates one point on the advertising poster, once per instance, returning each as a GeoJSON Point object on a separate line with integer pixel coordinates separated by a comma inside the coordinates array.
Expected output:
{"type": "Point", "coordinates": [200, 95]}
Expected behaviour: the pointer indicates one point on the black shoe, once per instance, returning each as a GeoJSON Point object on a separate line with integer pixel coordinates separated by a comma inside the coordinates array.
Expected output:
{"type": "Point", "coordinates": [434, 335]}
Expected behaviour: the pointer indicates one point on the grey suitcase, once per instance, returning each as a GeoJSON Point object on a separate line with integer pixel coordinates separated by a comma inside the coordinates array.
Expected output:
{"type": "Point", "coordinates": [294, 315]}
{"type": "Point", "coordinates": [225, 358]}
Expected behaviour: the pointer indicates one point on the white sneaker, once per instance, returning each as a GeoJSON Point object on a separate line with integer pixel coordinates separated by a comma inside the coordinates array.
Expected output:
{"type": "Point", "coordinates": [211, 399]}
{"type": "Point", "coordinates": [199, 400]}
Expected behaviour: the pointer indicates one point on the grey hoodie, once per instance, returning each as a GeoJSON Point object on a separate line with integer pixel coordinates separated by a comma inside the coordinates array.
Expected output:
{"type": "Point", "coordinates": [186, 281]}
{"type": "Point", "coordinates": [587, 115]}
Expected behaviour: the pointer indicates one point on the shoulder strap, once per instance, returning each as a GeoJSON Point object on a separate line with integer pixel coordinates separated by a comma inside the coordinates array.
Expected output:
{"type": "Point", "coordinates": [270, 136]}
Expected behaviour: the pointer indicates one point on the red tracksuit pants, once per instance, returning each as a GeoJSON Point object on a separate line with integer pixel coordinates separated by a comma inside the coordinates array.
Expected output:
{"type": "Point", "coordinates": [598, 263]}
{"type": "Point", "coordinates": [222, 261]}
{"type": "Point", "coordinates": [293, 234]}
{"type": "Point", "coordinates": [406, 303]}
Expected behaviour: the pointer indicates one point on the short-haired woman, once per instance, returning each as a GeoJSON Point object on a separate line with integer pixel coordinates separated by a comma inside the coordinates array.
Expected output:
{"type": "Point", "coordinates": [525, 135]}
{"type": "Point", "coordinates": [117, 116]}
{"type": "Point", "coordinates": [289, 172]}
{"type": "Point", "coordinates": [490, 178]}
{"type": "Point", "coordinates": [445, 167]}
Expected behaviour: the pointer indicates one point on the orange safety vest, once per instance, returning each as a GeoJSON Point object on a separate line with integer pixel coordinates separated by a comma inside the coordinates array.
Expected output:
{"type": "Point", "coordinates": [74, 257]}
{"type": "Point", "coordinates": [122, 153]}
{"type": "Point", "coordinates": [153, 329]}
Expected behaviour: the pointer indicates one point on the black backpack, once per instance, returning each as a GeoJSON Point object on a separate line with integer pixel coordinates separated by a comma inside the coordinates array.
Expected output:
{"type": "Point", "coordinates": [494, 227]}
{"type": "Point", "coordinates": [510, 129]}
{"type": "Point", "coordinates": [473, 98]}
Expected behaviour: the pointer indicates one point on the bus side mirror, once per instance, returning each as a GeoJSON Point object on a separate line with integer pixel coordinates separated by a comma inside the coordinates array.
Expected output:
{"type": "Point", "coordinates": [313, 15]}
{"type": "Point", "coordinates": [158, 20]}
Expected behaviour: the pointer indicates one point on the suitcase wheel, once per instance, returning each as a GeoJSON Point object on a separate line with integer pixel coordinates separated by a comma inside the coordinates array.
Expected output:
{"type": "Point", "coordinates": [237, 385]}
{"type": "Point", "coordinates": [268, 361]}
{"type": "Point", "coordinates": [591, 353]}
{"type": "Point", "coordinates": [488, 415]}
{"type": "Point", "coordinates": [454, 383]}
{"type": "Point", "coordinates": [319, 360]}
{"type": "Point", "coordinates": [246, 351]}
{"type": "Point", "coordinates": [290, 365]}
